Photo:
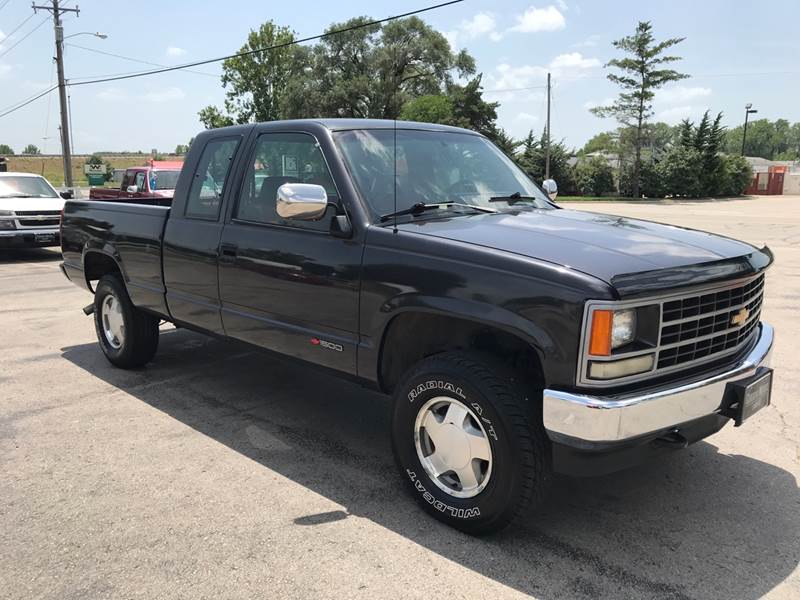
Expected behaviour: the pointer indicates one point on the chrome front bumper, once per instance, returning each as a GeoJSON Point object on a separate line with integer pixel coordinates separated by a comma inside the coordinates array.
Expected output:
{"type": "Point", "coordinates": [607, 419]}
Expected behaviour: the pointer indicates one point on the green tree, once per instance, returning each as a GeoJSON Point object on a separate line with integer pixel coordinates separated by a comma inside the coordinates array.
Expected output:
{"type": "Point", "coordinates": [639, 76]}
{"type": "Point", "coordinates": [429, 109]}
{"type": "Point", "coordinates": [679, 172]}
{"type": "Point", "coordinates": [736, 175]}
{"type": "Point", "coordinates": [94, 160]}
{"type": "Point", "coordinates": [31, 149]}
{"type": "Point", "coordinates": [256, 80]}
{"type": "Point", "coordinates": [181, 149]}
{"type": "Point", "coordinates": [531, 158]}
{"type": "Point", "coordinates": [369, 72]}
{"type": "Point", "coordinates": [594, 176]}
{"type": "Point", "coordinates": [766, 139]}
{"type": "Point", "coordinates": [6, 150]}
{"type": "Point", "coordinates": [606, 141]}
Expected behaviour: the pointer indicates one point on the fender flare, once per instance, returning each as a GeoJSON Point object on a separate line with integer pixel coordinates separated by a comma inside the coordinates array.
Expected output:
{"type": "Point", "coordinates": [468, 310]}
{"type": "Point", "coordinates": [107, 250]}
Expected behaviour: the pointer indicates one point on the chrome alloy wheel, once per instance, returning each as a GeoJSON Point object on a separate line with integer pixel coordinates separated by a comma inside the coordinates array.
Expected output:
{"type": "Point", "coordinates": [453, 447]}
{"type": "Point", "coordinates": [113, 323]}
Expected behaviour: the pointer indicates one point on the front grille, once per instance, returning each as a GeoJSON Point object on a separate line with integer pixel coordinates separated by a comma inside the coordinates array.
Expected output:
{"type": "Point", "coordinates": [36, 213]}
{"type": "Point", "coordinates": [29, 223]}
{"type": "Point", "coordinates": [706, 325]}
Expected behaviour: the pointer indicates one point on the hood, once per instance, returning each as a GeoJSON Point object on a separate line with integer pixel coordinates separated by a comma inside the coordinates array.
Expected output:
{"type": "Point", "coordinates": [600, 245]}
{"type": "Point", "coordinates": [16, 204]}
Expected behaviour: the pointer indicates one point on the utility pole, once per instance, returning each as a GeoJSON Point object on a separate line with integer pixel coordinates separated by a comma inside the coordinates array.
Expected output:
{"type": "Point", "coordinates": [57, 11]}
{"type": "Point", "coordinates": [547, 146]}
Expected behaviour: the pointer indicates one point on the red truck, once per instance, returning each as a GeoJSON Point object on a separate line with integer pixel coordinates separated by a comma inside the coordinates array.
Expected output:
{"type": "Point", "coordinates": [154, 184]}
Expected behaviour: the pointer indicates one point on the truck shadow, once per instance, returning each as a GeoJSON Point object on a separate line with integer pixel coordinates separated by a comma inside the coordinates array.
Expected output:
{"type": "Point", "coordinates": [29, 255]}
{"type": "Point", "coordinates": [698, 524]}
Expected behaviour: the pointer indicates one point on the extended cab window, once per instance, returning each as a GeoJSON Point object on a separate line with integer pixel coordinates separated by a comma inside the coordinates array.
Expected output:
{"type": "Point", "coordinates": [281, 158]}
{"type": "Point", "coordinates": [208, 184]}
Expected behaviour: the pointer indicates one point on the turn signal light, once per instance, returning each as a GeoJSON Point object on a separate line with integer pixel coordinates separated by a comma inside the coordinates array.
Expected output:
{"type": "Point", "coordinates": [600, 337]}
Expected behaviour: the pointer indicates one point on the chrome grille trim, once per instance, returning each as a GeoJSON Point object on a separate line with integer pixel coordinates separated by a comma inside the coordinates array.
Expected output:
{"type": "Point", "coordinates": [685, 341]}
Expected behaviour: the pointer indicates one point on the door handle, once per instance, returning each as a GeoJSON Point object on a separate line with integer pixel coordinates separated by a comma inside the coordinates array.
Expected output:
{"type": "Point", "coordinates": [228, 252]}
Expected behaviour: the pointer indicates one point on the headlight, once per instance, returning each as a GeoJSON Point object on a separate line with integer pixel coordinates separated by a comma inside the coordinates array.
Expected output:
{"type": "Point", "coordinates": [6, 219]}
{"type": "Point", "coordinates": [611, 329]}
{"type": "Point", "coordinates": [623, 327]}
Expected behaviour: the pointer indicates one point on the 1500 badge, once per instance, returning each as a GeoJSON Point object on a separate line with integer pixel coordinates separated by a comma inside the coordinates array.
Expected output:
{"type": "Point", "coordinates": [327, 345]}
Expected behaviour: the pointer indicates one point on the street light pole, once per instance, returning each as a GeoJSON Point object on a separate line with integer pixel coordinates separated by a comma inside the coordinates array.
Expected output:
{"type": "Point", "coordinates": [748, 110]}
{"type": "Point", "coordinates": [57, 11]}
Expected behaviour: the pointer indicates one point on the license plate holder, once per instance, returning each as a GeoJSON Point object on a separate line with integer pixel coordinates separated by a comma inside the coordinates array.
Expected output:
{"type": "Point", "coordinates": [748, 396]}
{"type": "Point", "coordinates": [45, 237]}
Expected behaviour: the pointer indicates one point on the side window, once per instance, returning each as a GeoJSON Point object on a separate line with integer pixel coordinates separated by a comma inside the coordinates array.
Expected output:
{"type": "Point", "coordinates": [208, 184]}
{"type": "Point", "coordinates": [139, 182]}
{"type": "Point", "coordinates": [127, 180]}
{"type": "Point", "coordinates": [283, 158]}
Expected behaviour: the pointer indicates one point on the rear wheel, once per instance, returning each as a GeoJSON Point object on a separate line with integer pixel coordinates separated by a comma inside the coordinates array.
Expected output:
{"type": "Point", "coordinates": [127, 336]}
{"type": "Point", "coordinates": [469, 442]}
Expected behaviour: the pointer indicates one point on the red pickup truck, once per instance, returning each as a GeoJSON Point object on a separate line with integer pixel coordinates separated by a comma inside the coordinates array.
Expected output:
{"type": "Point", "coordinates": [154, 184]}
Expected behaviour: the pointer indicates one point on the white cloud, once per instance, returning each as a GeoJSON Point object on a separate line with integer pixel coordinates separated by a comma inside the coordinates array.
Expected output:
{"type": "Point", "coordinates": [562, 5]}
{"type": "Point", "coordinates": [482, 24]}
{"type": "Point", "coordinates": [165, 95]}
{"type": "Point", "coordinates": [572, 65]}
{"type": "Point", "coordinates": [535, 19]}
{"type": "Point", "coordinates": [175, 51]}
{"type": "Point", "coordinates": [680, 94]}
{"type": "Point", "coordinates": [573, 61]}
{"type": "Point", "coordinates": [676, 114]}
{"type": "Point", "coordinates": [523, 116]}
{"type": "Point", "coordinates": [589, 42]}
{"type": "Point", "coordinates": [111, 94]}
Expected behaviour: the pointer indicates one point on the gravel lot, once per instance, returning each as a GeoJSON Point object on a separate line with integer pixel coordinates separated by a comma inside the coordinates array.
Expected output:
{"type": "Point", "coordinates": [223, 472]}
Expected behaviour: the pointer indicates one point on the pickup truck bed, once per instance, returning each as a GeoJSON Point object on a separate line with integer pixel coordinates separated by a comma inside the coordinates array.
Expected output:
{"type": "Point", "coordinates": [517, 338]}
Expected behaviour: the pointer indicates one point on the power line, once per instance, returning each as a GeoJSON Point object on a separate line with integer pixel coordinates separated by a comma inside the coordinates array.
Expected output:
{"type": "Point", "coordinates": [267, 48]}
{"type": "Point", "coordinates": [4, 4]}
{"type": "Point", "coordinates": [28, 101]}
{"type": "Point", "coordinates": [13, 31]}
{"type": "Point", "coordinates": [23, 38]}
{"type": "Point", "coordinates": [136, 60]}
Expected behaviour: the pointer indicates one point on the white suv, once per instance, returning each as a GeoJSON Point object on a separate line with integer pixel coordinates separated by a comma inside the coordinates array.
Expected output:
{"type": "Point", "coordinates": [30, 211]}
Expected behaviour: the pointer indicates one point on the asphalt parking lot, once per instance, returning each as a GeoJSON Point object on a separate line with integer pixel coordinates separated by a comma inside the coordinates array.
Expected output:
{"type": "Point", "coordinates": [219, 471]}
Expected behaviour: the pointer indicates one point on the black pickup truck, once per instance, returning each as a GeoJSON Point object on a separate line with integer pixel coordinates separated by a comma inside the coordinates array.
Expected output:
{"type": "Point", "coordinates": [517, 338]}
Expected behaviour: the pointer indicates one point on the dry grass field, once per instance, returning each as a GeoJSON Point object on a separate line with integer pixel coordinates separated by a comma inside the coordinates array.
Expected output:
{"type": "Point", "coordinates": [50, 165]}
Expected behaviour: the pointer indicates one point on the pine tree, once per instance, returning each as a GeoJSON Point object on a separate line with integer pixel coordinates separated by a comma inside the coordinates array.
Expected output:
{"type": "Point", "coordinates": [640, 75]}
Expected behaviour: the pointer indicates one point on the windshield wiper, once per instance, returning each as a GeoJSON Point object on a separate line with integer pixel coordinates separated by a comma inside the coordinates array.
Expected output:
{"type": "Point", "coordinates": [420, 207]}
{"type": "Point", "coordinates": [512, 198]}
{"type": "Point", "coordinates": [16, 195]}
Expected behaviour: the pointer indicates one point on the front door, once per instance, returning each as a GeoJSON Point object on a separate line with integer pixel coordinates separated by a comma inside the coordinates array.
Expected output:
{"type": "Point", "coordinates": [289, 285]}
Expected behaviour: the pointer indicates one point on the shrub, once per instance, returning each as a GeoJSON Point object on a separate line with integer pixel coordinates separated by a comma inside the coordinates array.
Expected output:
{"type": "Point", "coordinates": [736, 175]}
{"type": "Point", "coordinates": [594, 177]}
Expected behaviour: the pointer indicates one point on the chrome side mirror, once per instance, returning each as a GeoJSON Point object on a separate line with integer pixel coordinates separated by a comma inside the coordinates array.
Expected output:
{"type": "Point", "coordinates": [302, 201]}
{"type": "Point", "coordinates": [132, 189]}
{"type": "Point", "coordinates": [550, 186]}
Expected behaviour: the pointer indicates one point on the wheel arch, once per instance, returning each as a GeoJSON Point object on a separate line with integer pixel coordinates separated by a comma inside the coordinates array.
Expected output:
{"type": "Point", "coordinates": [98, 263]}
{"type": "Point", "coordinates": [510, 339]}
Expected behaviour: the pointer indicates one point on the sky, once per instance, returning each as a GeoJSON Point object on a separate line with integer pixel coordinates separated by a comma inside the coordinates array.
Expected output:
{"type": "Point", "coordinates": [736, 52]}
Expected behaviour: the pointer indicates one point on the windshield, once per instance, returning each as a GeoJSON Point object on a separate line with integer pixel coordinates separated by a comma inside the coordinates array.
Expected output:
{"type": "Point", "coordinates": [433, 167]}
{"type": "Point", "coordinates": [25, 187]}
{"type": "Point", "coordinates": [163, 180]}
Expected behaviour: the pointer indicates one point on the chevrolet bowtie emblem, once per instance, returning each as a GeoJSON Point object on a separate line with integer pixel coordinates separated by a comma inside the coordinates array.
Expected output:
{"type": "Point", "coordinates": [740, 318]}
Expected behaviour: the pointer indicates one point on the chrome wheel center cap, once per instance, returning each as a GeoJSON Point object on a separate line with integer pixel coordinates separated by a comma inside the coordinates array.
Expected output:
{"type": "Point", "coordinates": [454, 447]}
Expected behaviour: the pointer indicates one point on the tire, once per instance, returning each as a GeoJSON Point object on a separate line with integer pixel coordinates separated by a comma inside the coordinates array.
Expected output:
{"type": "Point", "coordinates": [517, 474]}
{"type": "Point", "coordinates": [136, 341]}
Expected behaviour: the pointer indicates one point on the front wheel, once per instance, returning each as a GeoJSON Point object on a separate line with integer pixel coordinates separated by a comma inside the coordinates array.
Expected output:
{"type": "Point", "coordinates": [127, 336]}
{"type": "Point", "coordinates": [469, 443]}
